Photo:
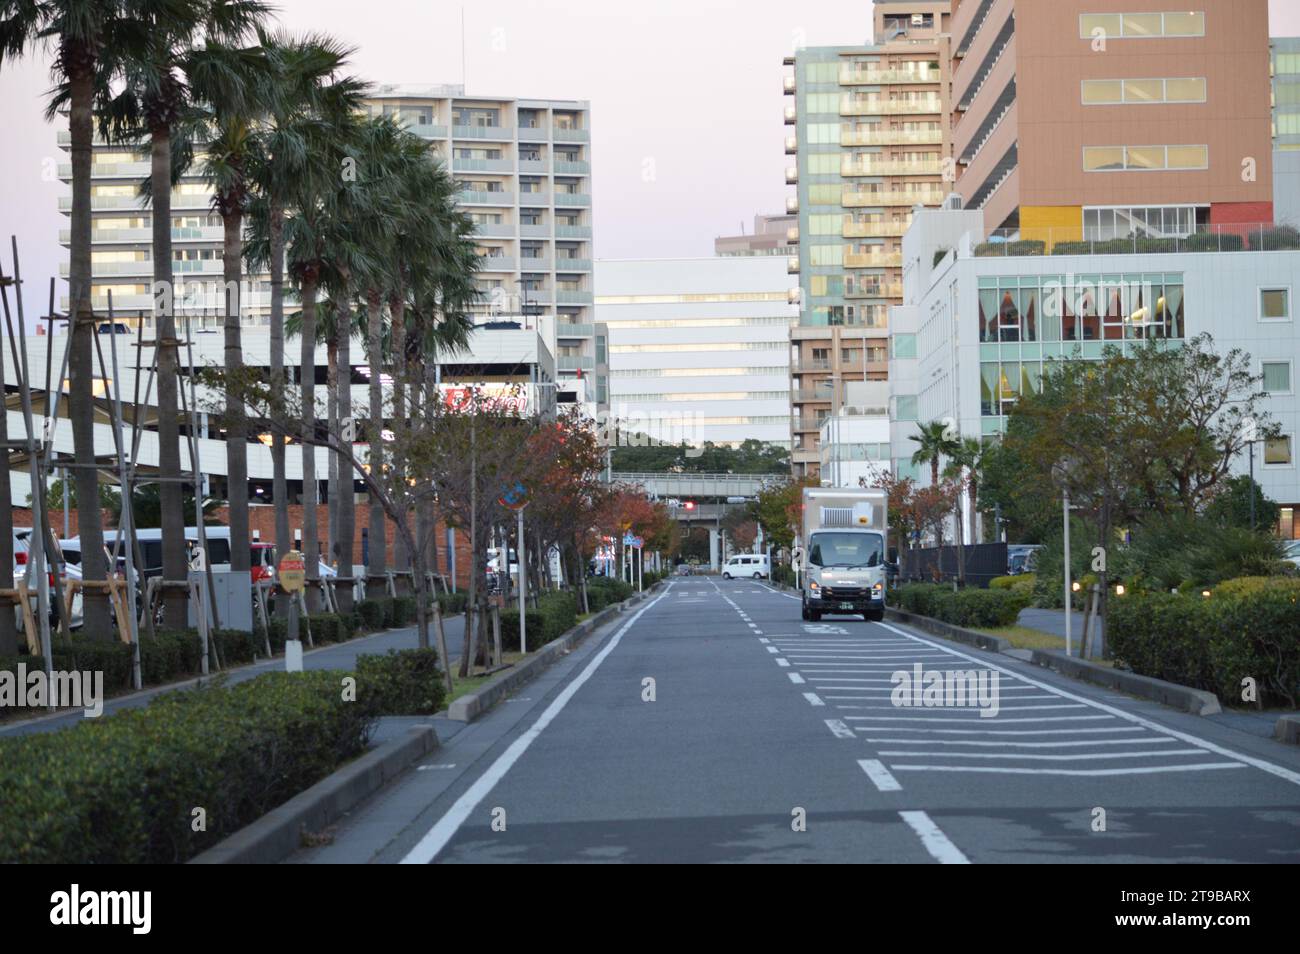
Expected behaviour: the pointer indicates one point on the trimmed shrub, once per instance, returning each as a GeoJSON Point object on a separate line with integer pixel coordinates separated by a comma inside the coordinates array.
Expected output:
{"type": "Point", "coordinates": [1014, 248]}
{"type": "Point", "coordinates": [404, 608]}
{"type": "Point", "coordinates": [1214, 242]}
{"type": "Point", "coordinates": [985, 609]}
{"type": "Point", "coordinates": [452, 603]}
{"type": "Point", "coordinates": [1253, 585]}
{"type": "Point", "coordinates": [120, 789]}
{"type": "Point", "coordinates": [1277, 238]}
{"type": "Point", "coordinates": [328, 628]}
{"type": "Point", "coordinates": [372, 613]}
{"type": "Point", "coordinates": [1250, 631]}
{"type": "Point", "coordinates": [401, 682]}
{"type": "Point", "coordinates": [510, 629]}
{"type": "Point", "coordinates": [559, 613]}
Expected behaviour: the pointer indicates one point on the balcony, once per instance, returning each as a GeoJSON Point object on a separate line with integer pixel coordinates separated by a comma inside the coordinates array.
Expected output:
{"type": "Point", "coordinates": [792, 265]}
{"type": "Point", "coordinates": [567, 362]}
{"type": "Point", "coordinates": [482, 165]}
{"type": "Point", "coordinates": [810, 395]}
{"type": "Point", "coordinates": [487, 198]}
{"type": "Point", "coordinates": [887, 260]}
{"type": "Point", "coordinates": [564, 297]}
{"type": "Point", "coordinates": [792, 175]}
{"type": "Point", "coordinates": [889, 107]}
{"type": "Point", "coordinates": [140, 169]}
{"type": "Point", "coordinates": [913, 168]}
{"type": "Point", "coordinates": [574, 329]}
{"type": "Point", "coordinates": [495, 230]}
{"type": "Point", "coordinates": [427, 130]}
{"type": "Point", "coordinates": [805, 365]}
{"type": "Point", "coordinates": [533, 134]}
{"type": "Point", "coordinates": [791, 145]}
{"type": "Point", "coordinates": [532, 166]}
{"type": "Point", "coordinates": [882, 290]}
{"type": "Point", "coordinates": [499, 133]}
{"type": "Point", "coordinates": [791, 116]}
{"type": "Point", "coordinates": [537, 198]}
{"type": "Point", "coordinates": [572, 198]}
{"type": "Point", "coordinates": [792, 234]}
{"type": "Point", "coordinates": [534, 263]}
{"type": "Point", "coordinates": [496, 263]}
{"type": "Point", "coordinates": [875, 229]}
{"type": "Point", "coordinates": [572, 167]}
{"type": "Point", "coordinates": [802, 424]}
{"type": "Point", "coordinates": [573, 231]}
{"type": "Point", "coordinates": [859, 77]}
{"type": "Point", "coordinates": [789, 86]}
{"type": "Point", "coordinates": [211, 233]}
{"type": "Point", "coordinates": [571, 135]}
{"type": "Point", "coordinates": [867, 200]}
{"type": "Point", "coordinates": [792, 205]}
{"type": "Point", "coordinates": [573, 264]}
{"type": "Point", "coordinates": [535, 231]}
{"type": "Point", "coordinates": [892, 137]}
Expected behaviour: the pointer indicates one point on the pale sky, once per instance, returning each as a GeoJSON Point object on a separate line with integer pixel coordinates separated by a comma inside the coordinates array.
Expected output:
{"type": "Point", "coordinates": [688, 90]}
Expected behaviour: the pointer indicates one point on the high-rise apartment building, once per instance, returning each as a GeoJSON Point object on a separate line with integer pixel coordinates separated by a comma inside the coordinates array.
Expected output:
{"type": "Point", "coordinates": [1286, 93]}
{"type": "Point", "coordinates": [524, 167]}
{"type": "Point", "coordinates": [869, 123]}
{"type": "Point", "coordinates": [1092, 119]}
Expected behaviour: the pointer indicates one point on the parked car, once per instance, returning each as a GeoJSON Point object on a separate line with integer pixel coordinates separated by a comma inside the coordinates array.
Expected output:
{"type": "Point", "coordinates": [1022, 558]}
{"type": "Point", "coordinates": [753, 565]}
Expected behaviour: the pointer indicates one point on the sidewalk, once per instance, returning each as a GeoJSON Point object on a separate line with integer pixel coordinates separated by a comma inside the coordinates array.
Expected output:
{"type": "Point", "coordinates": [1053, 621]}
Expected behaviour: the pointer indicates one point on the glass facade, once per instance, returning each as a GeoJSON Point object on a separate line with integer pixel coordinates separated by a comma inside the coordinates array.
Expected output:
{"type": "Point", "coordinates": [1026, 322]}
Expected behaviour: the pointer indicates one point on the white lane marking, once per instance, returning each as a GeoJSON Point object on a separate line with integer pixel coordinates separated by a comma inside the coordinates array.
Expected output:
{"type": "Point", "coordinates": [765, 641]}
{"type": "Point", "coordinates": [436, 838]}
{"type": "Point", "coordinates": [900, 728]}
{"type": "Point", "coordinates": [813, 699]}
{"type": "Point", "coordinates": [998, 770]}
{"type": "Point", "coordinates": [839, 729]}
{"type": "Point", "coordinates": [773, 650]}
{"type": "Point", "coordinates": [1276, 770]}
{"type": "Point", "coordinates": [1000, 743]}
{"type": "Point", "coordinates": [934, 840]}
{"type": "Point", "coordinates": [784, 663]}
{"type": "Point", "coordinates": [1063, 705]}
{"type": "Point", "coordinates": [795, 678]}
{"type": "Point", "coordinates": [429, 768]}
{"type": "Point", "coordinates": [1076, 757]}
{"type": "Point", "coordinates": [971, 720]}
{"type": "Point", "coordinates": [879, 775]}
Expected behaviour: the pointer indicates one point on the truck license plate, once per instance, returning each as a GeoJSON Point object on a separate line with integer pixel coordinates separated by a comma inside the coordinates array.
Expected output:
{"type": "Point", "coordinates": [846, 606]}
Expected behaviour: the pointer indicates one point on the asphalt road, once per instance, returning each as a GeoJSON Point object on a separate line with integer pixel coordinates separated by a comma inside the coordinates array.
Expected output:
{"type": "Point", "coordinates": [760, 721]}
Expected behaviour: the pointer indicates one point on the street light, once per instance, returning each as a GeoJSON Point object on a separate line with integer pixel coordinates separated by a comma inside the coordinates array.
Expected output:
{"type": "Point", "coordinates": [1061, 471]}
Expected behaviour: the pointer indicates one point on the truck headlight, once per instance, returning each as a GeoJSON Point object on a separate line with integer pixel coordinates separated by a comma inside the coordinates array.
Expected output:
{"type": "Point", "coordinates": [814, 585]}
{"type": "Point", "coordinates": [878, 587]}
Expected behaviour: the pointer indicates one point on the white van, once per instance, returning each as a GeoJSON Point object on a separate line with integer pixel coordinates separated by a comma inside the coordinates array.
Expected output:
{"type": "Point", "coordinates": [752, 565]}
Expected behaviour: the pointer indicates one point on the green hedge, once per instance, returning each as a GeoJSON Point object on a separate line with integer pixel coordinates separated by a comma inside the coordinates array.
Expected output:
{"type": "Point", "coordinates": [1241, 631]}
{"type": "Point", "coordinates": [375, 612]}
{"type": "Point", "coordinates": [983, 609]}
{"type": "Point", "coordinates": [452, 603]}
{"type": "Point", "coordinates": [403, 611]}
{"type": "Point", "coordinates": [510, 629]}
{"type": "Point", "coordinates": [122, 788]}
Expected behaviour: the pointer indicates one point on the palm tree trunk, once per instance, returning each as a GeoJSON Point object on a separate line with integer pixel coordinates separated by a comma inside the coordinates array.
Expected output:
{"type": "Point", "coordinates": [175, 565]}
{"type": "Point", "coordinates": [397, 315]}
{"type": "Point", "coordinates": [346, 506]}
{"type": "Point", "coordinates": [236, 424]}
{"type": "Point", "coordinates": [378, 567]}
{"type": "Point", "coordinates": [279, 479]}
{"type": "Point", "coordinates": [332, 460]}
{"type": "Point", "coordinates": [310, 539]}
{"type": "Point", "coordinates": [97, 621]}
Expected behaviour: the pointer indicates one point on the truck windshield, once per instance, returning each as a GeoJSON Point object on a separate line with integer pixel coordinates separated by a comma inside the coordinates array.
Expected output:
{"type": "Point", "coordinates": [846, 549]}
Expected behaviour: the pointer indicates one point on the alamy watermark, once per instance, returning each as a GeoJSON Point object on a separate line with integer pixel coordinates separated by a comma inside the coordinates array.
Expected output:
{"type": "Point", "coordinates": [937, 688]}
{"type": "Point", "coordinates": [78, 689]}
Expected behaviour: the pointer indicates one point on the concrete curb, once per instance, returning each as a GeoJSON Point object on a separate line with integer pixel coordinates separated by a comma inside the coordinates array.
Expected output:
{"type": "Point", "coordinates": [1194, 701]}
{"type": "Point", "coordinates": [1288, 729]}
{"type": "Point", "coordinates": [278, 833]}
{"type": "Point", "coordinates": [474, 704]}
{"type": "Point", "coordinates": [970, 637]}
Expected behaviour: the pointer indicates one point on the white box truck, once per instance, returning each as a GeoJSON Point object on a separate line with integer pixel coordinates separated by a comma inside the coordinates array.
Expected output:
{"type": "Point", "coordinates": [843, 559]}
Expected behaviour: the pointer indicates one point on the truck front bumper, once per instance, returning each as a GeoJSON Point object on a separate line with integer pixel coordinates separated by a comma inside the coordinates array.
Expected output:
{"type": "Point", "coordinates": [870, 601]}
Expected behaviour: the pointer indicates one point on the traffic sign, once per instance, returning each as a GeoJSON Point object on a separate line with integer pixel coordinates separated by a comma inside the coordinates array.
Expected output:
{"type": "Point", "coordinates": [628, 540]}
{"type": "Point", "coordinates": [514, 498]}
{"type": "Point", "coordinates": [797, 554]}
{"type": "Point", "coordinates": [292, 571]}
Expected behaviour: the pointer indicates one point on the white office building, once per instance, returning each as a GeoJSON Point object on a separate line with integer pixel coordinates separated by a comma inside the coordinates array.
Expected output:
{"type": "Point", "coordinates": [699, 348]}
{"type": "Point", "coordinates": [977, 328]}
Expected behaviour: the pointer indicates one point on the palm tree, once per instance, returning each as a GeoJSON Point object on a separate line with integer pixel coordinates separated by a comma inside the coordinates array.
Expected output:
{"type": "Point", "coordinates": [155, 102]}
{"type": "Point", "coordinates": [231, 90]}
{"type": "Point", "coordinates": [968, 457]}
{"type": "Point", "coordinates": [934, 442]}
{"type": "Point", "coordinates": [89, 37]}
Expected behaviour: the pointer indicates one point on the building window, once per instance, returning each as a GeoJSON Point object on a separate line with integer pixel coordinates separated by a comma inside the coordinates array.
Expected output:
{"type": "Point", "coordinates": [1275, 304]}
{"type": "Point", "coordinates": [1128, 26]}
{"type": "Point", "coordinates": [1277, 377]}
{"type": "Point", "coordinates": [1145, 158]}
{"type": "Point", "coordinates": [904, 345]}
{"type": "Point", "coordinates": [1103, 223]}
{"type": "Point", "coordinates": [1277, 451]}
{"type": "Point", "coordinates": [905, 407]}
{"type": "Point", "coordinates": [1128, 92]}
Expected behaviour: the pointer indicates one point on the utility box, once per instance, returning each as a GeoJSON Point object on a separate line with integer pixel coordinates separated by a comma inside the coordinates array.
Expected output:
{"type": "Point", "coordinates": [234, 591]}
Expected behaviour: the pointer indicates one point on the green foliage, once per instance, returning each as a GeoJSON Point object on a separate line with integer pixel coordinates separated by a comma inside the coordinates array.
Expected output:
{"type": "Point", "coordinates": [751, 457]}
{"type": "Point", "coordinates": [110, 498]}
{"type": "Point", "coordinates": [1244, 630]}
{"type": "Point", "coordinates": [401, 682]}
{"type": "Point", "coordinates": [452, 603]}
{"type": "Point", "coordinates": [559, 612]}
{"type": "Point", "coordinates": [510, 629]}
{"type": "Point", "coordinates": [404, 610]}
{"type": "Point", "coordinates": [1018, 247]}
{"type": "Point", "coordinates": [375, 613]}
{"type": "Point", "coordinates": [984, 609]}
{"type": "Point", "coordinates": [783, 573]}
{"type": "Point", "coordinates": [1231, 506]}
{"type": "Point", "coordinates": [1276, 238]}
{"type": "Point", "coordinates": [122, 788]}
